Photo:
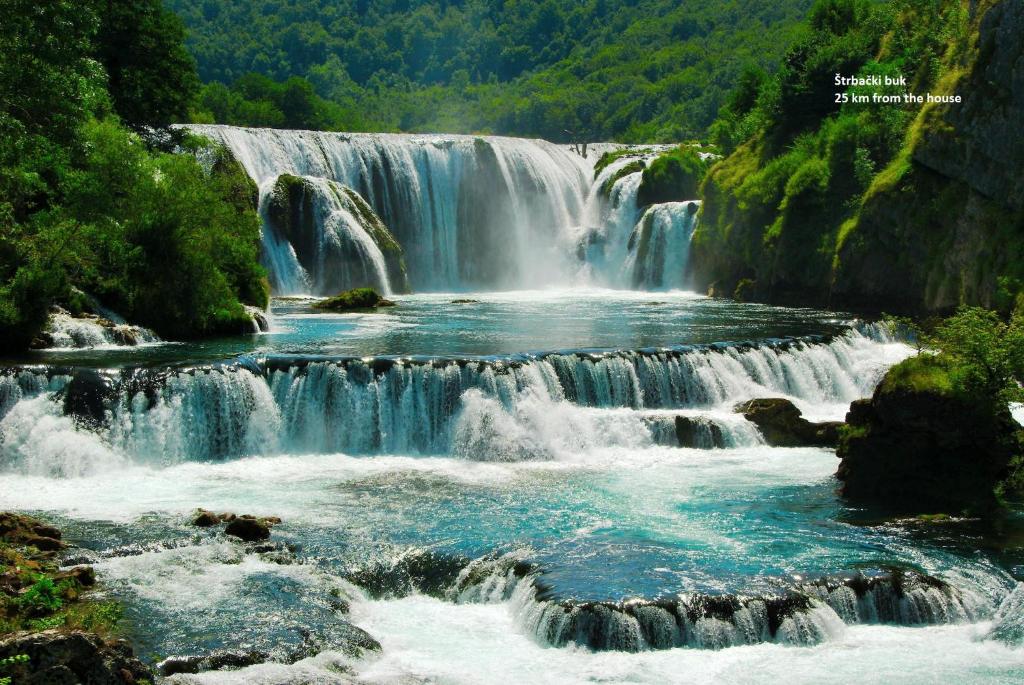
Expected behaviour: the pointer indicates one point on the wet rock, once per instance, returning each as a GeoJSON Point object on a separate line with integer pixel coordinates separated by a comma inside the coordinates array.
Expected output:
{"type": "Point", "coordinates": [86, 397]}
{"type": "Point", "coordinates": [216, 661]}
{"type": "Point", "coordinates": [204, 518]}
{"type": "Point", "coordinates": [25, 530]}
{"type": "Point", "coordinates": [357, 299]}
{"type": "Point", "coordinates": [918, 446]}
{"type": "Point", "coordinates": [695, 432]}
{"type": "Point", "coordinates": [783, 425]}
{"type": "Point", "coordinates": [83, 575]}
{"type": "Point", "coordinates": [249, 529]}
{"type": "Point", "coordinates": [58, 657]}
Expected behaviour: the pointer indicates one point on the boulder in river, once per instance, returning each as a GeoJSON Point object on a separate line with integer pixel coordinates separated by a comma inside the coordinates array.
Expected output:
{"type": "Point", "coordinates": [782, 424]}
{"type": "Point", "coordinates": [250, 528]}
{"type": "Point", "coordinates": [919, 445]}
{"type": "Point", "coordinates": [357, 299]}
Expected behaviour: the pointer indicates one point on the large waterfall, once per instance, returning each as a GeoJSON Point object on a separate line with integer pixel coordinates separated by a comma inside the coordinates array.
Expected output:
{"type": "Point", "coordinates": [467, 212]}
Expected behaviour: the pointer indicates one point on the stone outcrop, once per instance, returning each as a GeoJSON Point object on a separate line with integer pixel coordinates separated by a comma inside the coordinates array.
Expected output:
{"type": "Point", "coordinates": [57, 657]}
{"type": "Point", "coordinates": [918, 446]}
{"type": "Point", "coordinates": [299, 211]}
{"type": "Point", "coordinates": [783, 425]}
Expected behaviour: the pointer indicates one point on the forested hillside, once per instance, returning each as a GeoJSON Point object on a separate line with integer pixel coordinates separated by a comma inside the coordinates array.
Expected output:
{"type": "Point", "coordinates": [640, 70]}
{"type": "Point", "coordinates": [93, 205]}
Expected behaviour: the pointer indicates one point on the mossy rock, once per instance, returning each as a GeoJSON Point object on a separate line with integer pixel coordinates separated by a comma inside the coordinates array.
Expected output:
{"type": "Point", "coordinates": [675, 176]}
{"type": "Point", "coordinates": [637, 165]}
{"type": "Point", "coordinates": [357, 299]}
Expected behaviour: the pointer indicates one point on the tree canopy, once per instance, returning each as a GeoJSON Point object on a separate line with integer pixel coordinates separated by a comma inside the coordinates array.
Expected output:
{"type": "Point", "coordinates": [641, 70]}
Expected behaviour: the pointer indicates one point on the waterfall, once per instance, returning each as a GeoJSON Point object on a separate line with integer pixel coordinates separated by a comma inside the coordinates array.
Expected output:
{"type": "Point", "coordinates": [796, 613]}
{"type": "Point", "coordinates": [660, 246]}
{"type": "Point", "coordinates": [541, 406]}
{"type": "Point", "coordinates": [469, 212]}
{"type": "Point", "coordinates": [64, 331]}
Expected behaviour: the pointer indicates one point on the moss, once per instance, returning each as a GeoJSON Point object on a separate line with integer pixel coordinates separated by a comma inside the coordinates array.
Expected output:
{"type": "Point", "coordinates": [356, 299]}
{"type": "Point", "coordinates": [673, 177]}
{"type": "Point", "coordinates": [606, 160]}
{"type": "Point", "coordinates": [924, 373]}
{"type": "Point", "coordinates": [37, 595]}
{"type": "Point", "coordinates": [633, 167]}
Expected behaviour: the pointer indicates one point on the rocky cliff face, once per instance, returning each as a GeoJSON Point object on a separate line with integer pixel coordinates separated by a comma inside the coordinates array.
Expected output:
{"type": "Point", "coordinates": [940, 226]}
{"type": "Point", "coordinates": [949, 228]}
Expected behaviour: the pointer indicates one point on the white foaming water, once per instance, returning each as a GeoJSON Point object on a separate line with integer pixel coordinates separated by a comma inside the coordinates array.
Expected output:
{"type": "Point", "coordinates": [69, 332]}
{"type": "Point", "coordinates": [344, 254]}
{"type": "Point", "coordinates": [479, 643]}
{"type": "Point", "coordinates": [661, 246]}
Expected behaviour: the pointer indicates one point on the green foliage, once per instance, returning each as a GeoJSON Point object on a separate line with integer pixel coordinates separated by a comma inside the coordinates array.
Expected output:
{"type": "Point", "coordinates": [801, 164]}
{"type": "Point", "coordinates": [42, 597]}
{"type": "Point", "coordinates": [152, 77]}
{"type": "Point", "coordinates": [85, 205]}
{"type": "Point", "coordinates": [643, 71]}
{"type": "Point", "coordinates": [672, 177]}
{"type": "Point", "coordinates": [7, 662]}
{"type": "Point", "coordinates": [986, 353]}
{"type": "Point", "coordinates": [922, 373]}
{"type": "Point", "coordinates": [627, 169]}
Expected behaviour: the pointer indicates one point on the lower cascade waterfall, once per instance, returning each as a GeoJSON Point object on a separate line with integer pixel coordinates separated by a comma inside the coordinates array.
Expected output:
{"type": "Point", "coordinates": [488, 408]}
{"type": "Point", "coordinates": [802, 613]}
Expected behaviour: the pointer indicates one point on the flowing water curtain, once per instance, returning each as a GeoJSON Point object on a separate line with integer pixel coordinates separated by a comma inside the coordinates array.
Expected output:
{"type": "Point", "coordinates": [543, 407]}
{"type": "Point", "coordinates": [468, 212]}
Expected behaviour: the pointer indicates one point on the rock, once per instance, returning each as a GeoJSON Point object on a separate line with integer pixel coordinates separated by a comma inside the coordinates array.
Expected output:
{"type": "Point", "coordinates": [248, 529]}
{"type": "Point", "coordinates": [204, 518]}
{"type": "Point", "coordinates": [83, 575]}
{"type": "Point", "coordinates": [25, 530]}
{"type": "Point", "coordinates": [465, 301]}
{"type": "Point", "coordinates": [210, 662]}
{"type": "Point", "coordinates": [47, 531]}
{"type": "Point", "coordinates": [298, 210]}
{"type": "Point", "coordinates": [357, 299]}
{"type": "Point", "coordinates": [918, 446]}
{"type": "Point", "coordinates": [696, 432]}
{"type": "Point", "coordinates": [783, 425]}
{"type": "Point", "coordinates": [57, 657]}
{"type": "Point", "coordinates": [86, 397]}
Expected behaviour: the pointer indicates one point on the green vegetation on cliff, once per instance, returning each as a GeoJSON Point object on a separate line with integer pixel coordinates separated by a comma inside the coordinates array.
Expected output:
{"type": "Point", "coordinates": [86, 204]}
{"type": "Point", "coordinates": [643, 70]}
{"type": "Point", "coordinates": [672, 177]}
{"type": "Point", "coordinates": [863, 204]}
{"type": "Point", "coordinates": [938, 432]}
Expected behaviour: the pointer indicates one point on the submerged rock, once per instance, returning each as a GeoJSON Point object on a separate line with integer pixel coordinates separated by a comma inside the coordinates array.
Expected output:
{"type": "Point", "coordinates": [210, 662]}
{"type": "Point", "coordinates": [783, 425]}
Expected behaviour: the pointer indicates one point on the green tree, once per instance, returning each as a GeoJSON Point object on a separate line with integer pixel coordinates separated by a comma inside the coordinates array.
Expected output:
{"type": "Point", "coordinates": [152, 77]}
